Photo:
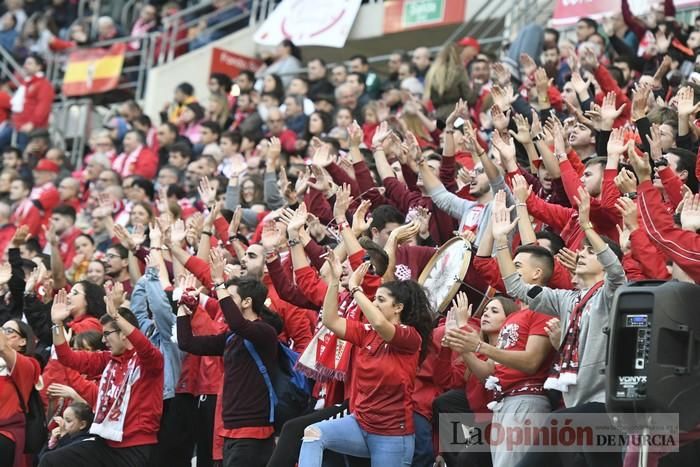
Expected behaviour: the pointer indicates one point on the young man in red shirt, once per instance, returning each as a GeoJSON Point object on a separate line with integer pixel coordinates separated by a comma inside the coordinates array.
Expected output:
{"type": "Point", "coordinates": [130, 399]}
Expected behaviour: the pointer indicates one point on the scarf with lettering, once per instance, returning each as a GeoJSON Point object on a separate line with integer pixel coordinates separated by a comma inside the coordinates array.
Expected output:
{"type": "Point", "coordinates": [113, 399]}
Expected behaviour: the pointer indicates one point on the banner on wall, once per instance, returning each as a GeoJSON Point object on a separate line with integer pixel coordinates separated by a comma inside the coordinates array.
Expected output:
{"type": "Point", "coordinates": [309, 22]}
{"type": "Point", "coordinates": [567, 12]}
{"type": "Point", "coordinates": [231, 63]}
{"type": "Point", "coordinates": [401, 15]}
{"type": "Point", "coordinates": [93, 71]}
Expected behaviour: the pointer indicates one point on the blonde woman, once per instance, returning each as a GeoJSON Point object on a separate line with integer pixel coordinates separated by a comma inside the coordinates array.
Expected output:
{"type": "Point", "coordinates": [446, 81]}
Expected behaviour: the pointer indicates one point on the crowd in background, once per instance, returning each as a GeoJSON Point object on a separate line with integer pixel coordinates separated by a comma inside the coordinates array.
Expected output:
{"type": "Point", "coordinates": [238, 279]}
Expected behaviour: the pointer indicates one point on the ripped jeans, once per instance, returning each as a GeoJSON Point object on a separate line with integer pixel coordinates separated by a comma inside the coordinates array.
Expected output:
{"type": "Point", "coordinates": [345, 436]}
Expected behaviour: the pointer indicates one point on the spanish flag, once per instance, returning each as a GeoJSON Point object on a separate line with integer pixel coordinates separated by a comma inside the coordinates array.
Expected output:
{"type": "Point", "coordinates": [93, 71]}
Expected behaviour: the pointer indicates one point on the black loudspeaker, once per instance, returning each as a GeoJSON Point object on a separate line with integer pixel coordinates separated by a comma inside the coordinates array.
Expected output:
{"type": "Point", "coordinates": [653, 358]}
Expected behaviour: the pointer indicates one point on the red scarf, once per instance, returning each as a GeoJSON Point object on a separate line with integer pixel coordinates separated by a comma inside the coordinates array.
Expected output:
{"type": "Point", "coordinates": [327, 357]}
{"type": "Point", "coordinates": [565, 372]}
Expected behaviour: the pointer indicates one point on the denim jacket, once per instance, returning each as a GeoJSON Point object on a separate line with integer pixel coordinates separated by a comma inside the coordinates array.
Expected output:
{"type": "Point", "coordinates": [151, 306]}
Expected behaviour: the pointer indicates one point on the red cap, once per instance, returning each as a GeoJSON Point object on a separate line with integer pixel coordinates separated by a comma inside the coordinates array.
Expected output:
{"type": "Point", "coordinates": [470, 41]}
{"type": "Point", "coordinates": [47, 166]}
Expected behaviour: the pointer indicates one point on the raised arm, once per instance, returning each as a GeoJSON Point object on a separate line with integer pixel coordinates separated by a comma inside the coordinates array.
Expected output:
{"type": "Point", "coordinates": [329, 315]}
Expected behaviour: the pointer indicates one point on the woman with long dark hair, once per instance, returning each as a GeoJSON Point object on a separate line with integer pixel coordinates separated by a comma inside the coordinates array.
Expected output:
{"type": "Point", "coordinates": [387, 353]}
{"type": "Point", "coordinates": [86, 306]}
{"type": "Point", "coordinates": [19, 372]}
{"type": "Point", "coordinates": [248, 431]}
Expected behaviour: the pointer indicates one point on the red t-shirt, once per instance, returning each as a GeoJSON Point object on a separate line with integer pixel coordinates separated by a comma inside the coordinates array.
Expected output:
{"type": "Point", "coordinates": [513, 336]}
{"type": "Point", "coordinates": [25, 375]}
{"type": "Point", "coordinates": [383, 374]}
{"type": "Point", "coordinates": [411, 260]}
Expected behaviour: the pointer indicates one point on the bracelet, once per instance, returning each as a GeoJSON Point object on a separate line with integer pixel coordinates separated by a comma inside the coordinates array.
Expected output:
{"type": "Point", "coordinates": [502, 247]}
{"type": "Point", "coordinates": [163, 248]}
{"type": "Point", "coordinates": [270, 255]}
{"type": "Point", "coordinates": [587, 226]}
{"type": "Point", "coordinates": [343, 225]}
{"type": "Point", "coordinates": [355, 289]}
{"type": "Point", "coordinates": [478, 347]}
{"type": "Point", "coordinates": [207, 233]}
{"type": "Point", "coordinates": [517, 205]}
{"type": "Point", "coordinates": [56, 328]}
{"type": "Point", "coordinates": [449, 132]}
{"type": "Point", "coordinates": [294, 242]}
{"type": "Point", "coordinates": [220, 286]}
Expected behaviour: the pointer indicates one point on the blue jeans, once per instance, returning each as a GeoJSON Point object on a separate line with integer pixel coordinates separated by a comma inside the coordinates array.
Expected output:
{"type": "Point", "coordinates": [345, 436]}
{"type": "Point", "coordinates": [423, 453]}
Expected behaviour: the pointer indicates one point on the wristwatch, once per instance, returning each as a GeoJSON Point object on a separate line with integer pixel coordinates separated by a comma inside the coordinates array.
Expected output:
{"type": "Point", "coordinates": [631, 195]}
{"type": "Point", "coordinates": [587, 226]}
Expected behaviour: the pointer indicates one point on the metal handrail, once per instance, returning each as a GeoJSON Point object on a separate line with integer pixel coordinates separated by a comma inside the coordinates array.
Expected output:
{"type": "Point", "coordinates": [11, 67]}
{"type": "Point", "coordinates": [128, 11]}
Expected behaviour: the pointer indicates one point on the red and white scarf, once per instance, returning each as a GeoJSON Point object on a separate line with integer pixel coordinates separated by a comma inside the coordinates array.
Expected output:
{"type": "Point", "coordinates": [327, 357]}
{"type": "Point", "coordinates": [565, 373]}
{"type": "Point", "coordinates": [113, 400]}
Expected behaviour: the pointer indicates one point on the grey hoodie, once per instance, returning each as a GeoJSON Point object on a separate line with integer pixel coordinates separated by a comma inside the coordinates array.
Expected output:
{"type": "Point", "coordinates": [590, 385]}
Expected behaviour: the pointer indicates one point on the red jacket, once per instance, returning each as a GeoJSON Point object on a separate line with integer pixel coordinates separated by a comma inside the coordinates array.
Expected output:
{"type": "Point", "coordinates": [681, 246]}
{"type": "Point", "coordinates": [38, 99]}
{"type": "Point", "coordinates": [145, 403]}
{"type": "Point", "coordinates": [26, 213]}
{"type": "Point", "coordinates": [145, 164]}
{"type": "Point", "coordinates": [203, 375]}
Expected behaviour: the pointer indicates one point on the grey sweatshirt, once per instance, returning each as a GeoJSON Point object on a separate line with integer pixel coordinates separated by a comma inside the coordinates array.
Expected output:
{"type": "Point", "coordinates": [590, 385]}
{"type": "Point", "coordinates": [462, 209]}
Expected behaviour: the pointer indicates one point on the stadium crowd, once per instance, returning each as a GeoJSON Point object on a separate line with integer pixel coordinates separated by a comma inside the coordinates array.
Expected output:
{"type": "Point", "coordinates": [238, 282]}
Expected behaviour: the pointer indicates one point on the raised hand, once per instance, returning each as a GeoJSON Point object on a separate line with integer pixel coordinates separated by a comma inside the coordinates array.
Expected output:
{"type": "Point", "coordinates": [608, 111]}
{"type": "Point", "coordinates": [380, 135]}
{"type": "Point", "coordinates": [503, 96]}
{"type": "Point", "coordinates": [690, 214]}
{"type": "Point", "coordinates": [502, 73]}
{"type": "Point", "coordinates": [298, 221]}
{"type": "Point", "coordinates": [616, 143]}
{"type": "Point", "coordinates": [500, 119]}
{"type": "Point", "coordinates": [322, 181]}
{"type": "Point", "coordinates": [356, 134]}
{"type": "Point", "coordinates": [116, 294]}
{"type": "Point", "coordinates": [568, 259]}
{"type": "Point", "coordinates": [662, 71]}
{"type": "Point", "coordinates": [59, 309]}
{"type": "Point", "coordinates": [583, 201]}
{"type": "Point", "coordinates": [20, 237]}
{"type": "Point", "coordinates": [505, 147]}
{"type": "Point", "coordinates": [628, 209]}
{"type": "Point", "coordinates": [342, 203]}
{"type": "Point", "coordinates": [523, 135]}
{"type": "Point", "coordinates": [155, 235]}
{"type": "Point", "coordinates": [405, 232]}
{"type": "Point", "coordinates": [423, 219]}
{"type": "Point", "coordinates": [625, 182]}
{"type": "Point", "coordinates": [235, 222]}
{"type": "Point", "coordinates": [640, 164]}
{"type": "Point", "coordinates": [358, 275]}
{"type": "Point", "coordinates": [521, 189]}
{"type": "Point", "coordinates": [580, 86]}
{"type": "Point", "coordinates": [217, 262]}
{"type": "Point", "coordinates": [178, 232]}
{"type": "Point", "coordinates": [640, 101]}
{"type": "Point", "coordinates": [462, 307]}
{"type": "Point", "coordinates": [50, 234]}
{"type": "Point", "coordinates": [686, 102]}
{"type": "Point", "coordinates": [542, 83]}
{"type": "Point", "coordinates": [273, 152]}
{"type": "Point", "coordinates": [334, 269]}
{"type": "Point", "coordinates": [459, 110]}
{"type": "Point", "coordinates": [322, 157]}
{"type": "Point", "coordinates": [654, 139]}
{"type": "Point", "coordinates": [138, 235]}
{"type": "Point", "coordinates": [553, 330]}
{"type": "Point", "coordinates": [501, 224]}
{"type": "Point", "coordinates": [271, 236]}
{"type": "Point", "coordinates": [207, 192]}
{"type": "Point", "coordinates": [360, 221]}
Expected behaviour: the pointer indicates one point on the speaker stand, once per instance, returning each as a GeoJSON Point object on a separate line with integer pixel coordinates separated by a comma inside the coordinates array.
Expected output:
{"type": "Point", "coordinates": [643, 449]}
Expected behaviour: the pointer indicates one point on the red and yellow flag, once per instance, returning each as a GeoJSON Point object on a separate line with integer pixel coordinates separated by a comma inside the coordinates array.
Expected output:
{"type": "Point", "coordinates": [93, 71]}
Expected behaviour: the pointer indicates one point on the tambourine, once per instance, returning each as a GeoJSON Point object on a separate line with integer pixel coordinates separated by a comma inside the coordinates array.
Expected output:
{"type": "Point", "coordinates": [443, 275]}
